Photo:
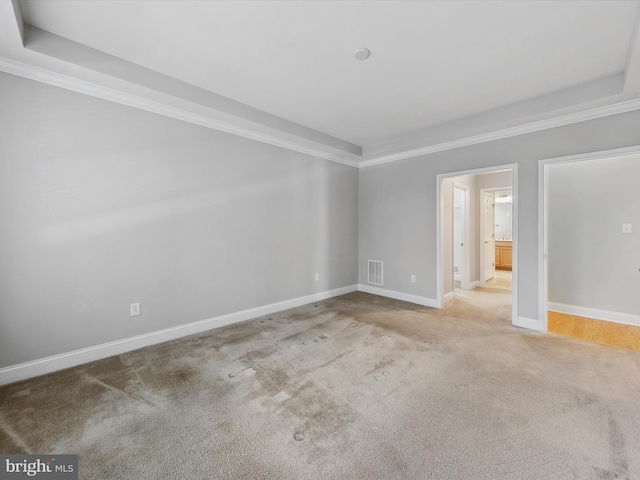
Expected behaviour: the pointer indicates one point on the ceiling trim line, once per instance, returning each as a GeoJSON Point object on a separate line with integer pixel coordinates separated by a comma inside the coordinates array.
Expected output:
{"type": "Point", "coordinates": [632, 53]}
{"type": "Point", "coordinates": [564, 120]}
{"type": "Point", "coordinates": [88, 88]}
{"type": "Point", "coordinates": [32, 72]}
{"type": "Point", "coordinates": [17, 10]}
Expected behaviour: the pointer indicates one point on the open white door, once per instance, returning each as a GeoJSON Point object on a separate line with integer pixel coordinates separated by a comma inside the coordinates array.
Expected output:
{"type": "Point", "coordinates": [488, 219]}
{"type": "Point", "coordinates": [460, 237]}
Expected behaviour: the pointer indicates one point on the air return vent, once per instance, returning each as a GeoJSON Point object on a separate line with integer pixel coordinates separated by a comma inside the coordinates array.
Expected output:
{"type": "Point", "coordinates": [375, 272]}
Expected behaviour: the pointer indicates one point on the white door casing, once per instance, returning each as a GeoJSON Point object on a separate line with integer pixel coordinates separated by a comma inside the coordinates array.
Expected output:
{"type": "Point", "coordinates": [440, 228]}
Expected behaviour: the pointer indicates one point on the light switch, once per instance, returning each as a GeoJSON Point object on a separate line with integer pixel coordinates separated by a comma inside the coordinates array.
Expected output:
{"type": "Point", "coordinates": [626, 228]}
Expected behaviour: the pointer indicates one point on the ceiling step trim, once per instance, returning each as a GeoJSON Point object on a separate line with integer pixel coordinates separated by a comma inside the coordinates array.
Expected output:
{"type": "Point", "coordinates": [88, 88]}
{"type": "Point", "coordinates": [592, 114]}
{"type": "Point", "coordinates": [69, 83]}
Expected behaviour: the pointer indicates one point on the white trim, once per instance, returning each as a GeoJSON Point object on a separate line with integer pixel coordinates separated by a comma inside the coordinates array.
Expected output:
{"type": "Point", "coordinates": [543, 179]}
{"type": "Point", "coordinates": [515, 261]}
{"type": "Point", "coordinates": [561, 121]}
{"type": "Point", "coordinates": [474, 284]}
{"type": "Point", "coordinates": [439, 268]}
{"type": "Point", "coordinates": [383, 292]}
{"type": "Point", "coordinates": [69, 83]}
{"type": "Point", "coordinates": [613, 153]}
{"type": "Point", "coordinates": [587, 312]}
{"type": "Point", "coordinates": [448, 297]}
{"type": "Point", "coordinates": [530, 323]}
{"type": "Point", "coordinates": [64, 81]}
{"type": "Point", "coordinates": [439, 235]}
{"type": "Point", "coordinates": [543, 175]}
{"type": "Point", "coordinates": [54, 363]}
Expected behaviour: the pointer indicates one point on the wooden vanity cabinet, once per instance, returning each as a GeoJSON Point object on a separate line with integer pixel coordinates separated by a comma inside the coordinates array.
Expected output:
{"type": "Point", "coordinates": [504, 255]}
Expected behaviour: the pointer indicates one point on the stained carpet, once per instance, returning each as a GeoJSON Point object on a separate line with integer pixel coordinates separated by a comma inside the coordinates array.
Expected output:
{"type": "Point", "coordinates": [357, 386]}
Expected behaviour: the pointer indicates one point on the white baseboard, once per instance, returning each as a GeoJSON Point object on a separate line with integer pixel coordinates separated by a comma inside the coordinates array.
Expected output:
{"type": "Point", "coordinates": [448, 297]}
{"type": "Point", "coordinates": [54, 363]}
{"type": "Point", "coordinates": [609, 316]}
{"type": "Point", "coordinates": [531, 324]}
{"type": "Point", "coordinates": [475, 284]}
{"type": "Point", "coordinates": [383, 292]}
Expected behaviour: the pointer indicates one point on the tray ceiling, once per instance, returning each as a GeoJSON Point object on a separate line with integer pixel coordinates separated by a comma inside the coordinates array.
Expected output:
{"type": "Point", "coordinates": [438, 71]}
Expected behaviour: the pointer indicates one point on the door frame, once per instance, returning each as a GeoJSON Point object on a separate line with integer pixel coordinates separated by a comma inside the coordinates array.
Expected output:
{"type": "Point", "coordinates": [543, 205]}
{"type": "Point", "coordinates": [465, 278]}
{"type": "Point", "coordinates": [439, 231]}
{"type": "Point", "coordinates": [482, 225]}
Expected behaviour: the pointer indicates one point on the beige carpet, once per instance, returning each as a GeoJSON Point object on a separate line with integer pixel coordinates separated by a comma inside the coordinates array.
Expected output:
{"type": "Point", "coordinates": [356, 387]}
{"type": "Point", "coordinates": [501, 280]}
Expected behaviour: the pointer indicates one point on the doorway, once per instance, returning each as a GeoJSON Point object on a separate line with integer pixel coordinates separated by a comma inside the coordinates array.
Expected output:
{"type": "Point", "coordinates": [566, 238]}
{"type": "Point", "coordinates": [497, 237]}
{"type": "Point", "coordinates": [461, 263]}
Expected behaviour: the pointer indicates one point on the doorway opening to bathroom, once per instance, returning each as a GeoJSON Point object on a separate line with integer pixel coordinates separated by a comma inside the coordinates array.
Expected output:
{"type": "Point", "coordinates": [477, 239]}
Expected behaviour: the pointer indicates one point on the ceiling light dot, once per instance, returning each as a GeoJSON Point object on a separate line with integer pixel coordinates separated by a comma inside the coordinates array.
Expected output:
{"type": "Point", "coordinates": [361, 53]}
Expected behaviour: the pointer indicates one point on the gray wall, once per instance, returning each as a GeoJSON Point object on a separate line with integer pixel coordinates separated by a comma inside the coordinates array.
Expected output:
{"type": "Point", "coordinates": [590, 262]}
{"type": "Point", "coordinates": [398, 201]}
{"type": "Point", "coordinates": [104, 205]}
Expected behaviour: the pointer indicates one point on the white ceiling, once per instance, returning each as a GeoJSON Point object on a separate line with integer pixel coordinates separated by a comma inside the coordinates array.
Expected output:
{"type": "Point", "coordinates": [480, 65]}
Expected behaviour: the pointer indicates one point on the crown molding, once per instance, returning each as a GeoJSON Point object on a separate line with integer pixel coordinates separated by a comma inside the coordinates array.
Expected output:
{"type": "Point", "coordinates": [136, 101]}
{"type": "Point", "coordinates": [560, 121]}
{"type": "Point", "coordinates": [81, 86]}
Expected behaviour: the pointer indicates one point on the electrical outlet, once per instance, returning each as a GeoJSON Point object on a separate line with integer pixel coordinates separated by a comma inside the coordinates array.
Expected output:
{"type": "Point", "coordinates": [317, 277]}
{"type": "Point", "coordinates": [134, 309]}
{"type": "Point", "coordinates": [413, 279]}
{"type": "Point", "coordinates": [626, 228]}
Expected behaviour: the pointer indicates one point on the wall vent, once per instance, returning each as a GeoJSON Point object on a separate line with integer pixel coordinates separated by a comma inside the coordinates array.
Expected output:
{"type": "Point", "coordinates": [375, 272]}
